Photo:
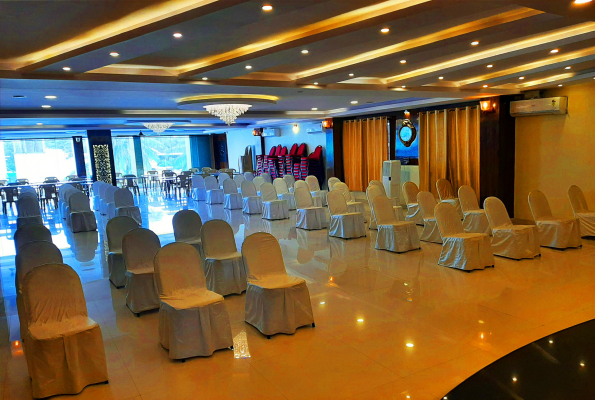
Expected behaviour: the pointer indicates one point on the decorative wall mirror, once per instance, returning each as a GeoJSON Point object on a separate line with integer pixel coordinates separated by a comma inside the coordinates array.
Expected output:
{"type": "Point", "coordinates": [407, 133]}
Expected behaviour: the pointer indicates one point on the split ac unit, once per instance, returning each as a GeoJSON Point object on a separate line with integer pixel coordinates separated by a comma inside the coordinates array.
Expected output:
{"type": "Point", "coordinates": [551, 105]}
{"type": "Point", "coordinates": [316, 129]}
{"type": "Point", "coordinates": [268, 132]}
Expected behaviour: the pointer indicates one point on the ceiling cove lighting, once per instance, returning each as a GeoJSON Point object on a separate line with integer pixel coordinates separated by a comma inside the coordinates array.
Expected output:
{"type": "Point", "coordinates": [582, 1]}
{"type": "Point", "coordinates": [66, 68]}
{"type": "Point", "coordinates": [474, 43]}
{"type": "Point", "coordinates": [177, 35]}
{"type": "Point", "coordinates": [385, 30]}
{"type": "Point", "coordinates": [114, 54]}
{"type": "Point", "coordinates": [51, 97]}
{"type": "Point", "coordinates": [267, 7]}
{"type": "Point", "coordinates": [46, 106]}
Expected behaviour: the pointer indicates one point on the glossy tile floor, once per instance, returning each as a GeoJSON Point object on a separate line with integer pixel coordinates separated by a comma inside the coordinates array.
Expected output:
{"type": "Point", "coordinates": [390, 326]}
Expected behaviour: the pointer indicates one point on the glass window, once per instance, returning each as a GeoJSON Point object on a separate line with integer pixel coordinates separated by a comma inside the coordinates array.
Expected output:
{"type": "Point", "coordinates": [166, 152]}
{"type": "Point", "coordinates": [88, 168]}
{"type": "Point", "coordinates": [124, 158]}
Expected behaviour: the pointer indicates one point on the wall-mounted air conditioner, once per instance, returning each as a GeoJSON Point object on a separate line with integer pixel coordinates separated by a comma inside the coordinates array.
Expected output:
{"type": "Point", "coordinates": [550, 105]}
{"type": "Point", "coordinates": [268, 132]}
{"type": "Point", "coordinates": [315, 129]}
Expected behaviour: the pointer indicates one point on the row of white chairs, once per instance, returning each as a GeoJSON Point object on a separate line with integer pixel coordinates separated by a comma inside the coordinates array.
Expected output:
{"type": "Point", "coordinates": [111, 201]}
{"type": "Point", "coordinates": [75, 209]}
{"type": "Point", "coordinates": [28, 209]}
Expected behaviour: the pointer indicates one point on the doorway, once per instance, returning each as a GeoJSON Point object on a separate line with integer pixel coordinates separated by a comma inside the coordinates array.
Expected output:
{"type": "Point", "coordinates": [220, 150]}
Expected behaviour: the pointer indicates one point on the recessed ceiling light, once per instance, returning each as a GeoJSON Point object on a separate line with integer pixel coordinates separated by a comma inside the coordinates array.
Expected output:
{"type": "Point", "coordinates": [314, 109]}
{"type": "Point", "coordinates": [440, 77]}
{"type": "Point", "coordinates": [248, 66]}
{"type": "Point", "coordinates": [410, 345]}
{"type": "Point", "coordinates": [582, 1]}
{"type": "Point", "coordinates": [554, 51]}
{"type": "Point", "coordinates": [352, 75]}
{"type": "Point", "coordinates": [485, 86]}
{"type": "Point", "coordinates": [560, 85]}
{"type": "Point", "coordinates": [46, 106]}
{"type": "Point", "coordinates": [582, 364]}
{"type": "Point", "coordinates": [305, 51]}
{"type": "Point", "coordinates": [403, 61]}
{"type": "Point", "coordinates": [39, 123]}
{"type": "Point", "coordinates": [354, 102]}
{"type": "Point", "coordinates": [323, 302]}
{"type": "Point", "coordinates": [114, 54]}
{"type": "Point", "coordinates": [267, 7]}
{"type": "Point", "coordinates": [474, 43]}
{"type": "Point", "coordinates": [204, 78]}
{"type": "Point", "coordinates": [66, 68]}
{"type": "Point", "coordinates": [403, 86]}
{"type": "Point", "coordinates": [569, 67]}
{"type": "Point", "coordinates": [316, 83]}
{"type": "Point", "coordinates": [521, 77]}
{"type": "Point", "coordinates": [177, 35]}
{"type": "Point", "coordinates": [51, 97]}
{"type": "Point", "coordinates": [490, 66]}
{"type": "Point", "coordinates": [360, 320]}
{"type": "Point", "coordinates": [514, 379]}
{"type": "Point", "coordinates": [385, 30]}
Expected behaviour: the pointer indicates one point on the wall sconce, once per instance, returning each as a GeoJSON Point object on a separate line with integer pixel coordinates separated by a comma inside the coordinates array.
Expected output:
{"type": "Point", "coordinates": [295, 128]}
{"type": "Point", "coordinates": [407, 114]}
{"type": "Point", "coordinates": [327, 123]}
{"type": "Point", "coordinates": [487, 106]}
{"type": "Point", "coordinates": [257, 132]}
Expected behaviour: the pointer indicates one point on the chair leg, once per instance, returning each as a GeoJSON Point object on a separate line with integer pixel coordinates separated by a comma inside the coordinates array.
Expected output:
{"type": "Point", "coordinates": [313, 325]}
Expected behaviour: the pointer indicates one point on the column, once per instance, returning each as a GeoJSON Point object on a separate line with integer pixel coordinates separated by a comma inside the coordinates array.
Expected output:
{"type": "Point", "coordinates": [138, 156]}
{"type": "Point", "coordinates": [334, 149]}
{"type": "Point", "coordinates": [102, 155]}
{"type": "Point", "coordinates": [79, 156]}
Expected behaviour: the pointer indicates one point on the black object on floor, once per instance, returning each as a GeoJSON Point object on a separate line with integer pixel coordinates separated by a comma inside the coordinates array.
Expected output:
{"type": "Point", "coordinates": [556, 367]}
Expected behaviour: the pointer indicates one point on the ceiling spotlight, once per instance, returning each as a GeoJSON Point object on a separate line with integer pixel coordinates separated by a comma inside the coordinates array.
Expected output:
{"type": "Point", "coordinates": [410, 345]}
{"type": "Point", "coordinates": [204, 78]}
{"type": "Point", "coordinates": [474, 43]}
{"type": "Point", "coordinates": [582, 364]}
{"type": "Point", "coordinates": [485, 86]}
{"type": "Point", "coordinates": [560, 85]}
{"type": "Point", "coordinates": [305, 51]}
{"type": "Point", "coordinates": [569, 67]}
{"type": "Point", "coordinates": [351, 75]}
{"type": "Point", "coordinates": [514, 379]}
{"type": "Point", "coordinates": [323, 302]}
{"type": "Point", "coordinates": [554, 51]}
{"type": "Point", "coordinates": [582, 1]}
{"type": "Point", "coordinates": [46, 106]}
{"type": "Point", "coordinates": [354, 102]}
{"type": "Point", "coordinates": [403, 86]}
{"type": "Point", "coordinates": [267, 7]}
{"type": "Point", "coordinates": [440, 77]}
{"type": "Point", "coordinates": [177, 35]}
{"type": "Point", "coordinates": [521, 77]}
{"type": "Point", "coordinates": [316, 83]}
{"type": "Point", "coordinates": [403, 61]}
{"type": "Point", "coordinates": [66, 68]}
{"type": "Point", "coordinates": [51, 97]}
{"type": "Point", "coordinates": [360, 320]}
{"type": "Point", "coordinates": [490, 66]}
{"type": "Point", "coordinates": [248, 66]}
{"type": "Point", "coordinates": [114, 54]}
{"type": "Point", "coordinates": [39, 123]}
{"type": "Point", "coordinates": [385, 30]}
{"type": "Point", "coordinates": [314, 109]}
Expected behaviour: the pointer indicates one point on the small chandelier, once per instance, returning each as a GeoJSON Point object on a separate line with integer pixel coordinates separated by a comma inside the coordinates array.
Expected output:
{"type": "Point", "coordinates": [228, 113]}
{"type": "Point", "coordinates": [158, 127]}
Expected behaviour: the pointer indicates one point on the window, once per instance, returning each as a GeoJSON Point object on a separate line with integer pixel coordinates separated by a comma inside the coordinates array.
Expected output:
{"type": "Point", "coordinates": [124, 157]}
{"type": "Point", "coordinates": [166, 152]}
{"type": "Point", "coordinates": [88, 168]}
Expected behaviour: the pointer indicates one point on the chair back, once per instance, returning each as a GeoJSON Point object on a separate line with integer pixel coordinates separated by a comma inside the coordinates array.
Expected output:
{"type": "Point", "coordinates": [187, 226]}
{"type": "Point", "coordinates": [123, 198]}
{"type": "Point", "coordinates": [248, 189]}
{"type": "Point", "coordinates": [116, 228]}
{"type": "Point", "coordinates": [139, 247]}
{"type": "Point", "coordinates": [301, 184]}
{"type": "Point", "coordinates": [223, 176]}
{"type": "Point", "coordinates": [23, 181]}
{"type": "Point", "coordinates": [28, 206]}
{"type": "Point", "coordinates": [262, 256]}
{"type": "Point", "coordinates": [280, 186]}
{"type": "Point", "coordinates": [217, 239]}
{"type": "Point", "coordinates": [383, 211]}
{"type": "Point", "coordinates": [31, 233]}
{"type": "Point", "coordinates": [268, 192]}
{"type": "Point", "coordinates": [332, 181]}
{"type": "Point", "coordinates": [34, 254]}
{"type": "Point", "coordinates": [198, 181]}
{"type": "Point", "coordinates": [448, 219]}
{"type": "Point", "coordinates": [302, 150]}
{"type": "Point", "coordinates": [95, 186]}
{"type": "Point", "coordinates": [109, 194]}
{"type": "Point", "coordinates": [267, 177]}
{"type": "Point", "coordinates": [259, 180]}
{"type": "Point", "coordinates": [312, 183]}
{"type": "Point", "coordinates": [211, 183]}
{"type": "Point", "coordinates": [293, 150]}
{"type": "Point", "coordinates": [372, 192]}
{"type": "Point", "coordinates": [303, 198]}
{"type": "Point", "coordinates": [238, 179]}
{"type": "Point", "coordinates": [336, 203]}
{"type": "Point", "coordinates": [229, 186]}
{"type": "Point", "coordinates": [52, 293]}
{"type": "Point", "coordinates": [343, 189]}
{"type": "Point", "coordinates": [427, 203]}
{"type": "Point", "coordinates": [540, 207]}
{"type": "Point", "coordinates": [290, 180]}
{"type": "Point", "coordinates": [496, 213]}
{"type": "Point", "coordinates": [102, 190]}
{"type": "Point", "coordinates": [577, 198]}
{"type": "Point", "coordinates": [51, 179]}
{"type": "Point", "coordinates": [445, 190]}
{"type": "Point", "coordinates": [79, 202]}
{"type": "Point", "coordinates": [468, 199]}
{"type": "Point", "coordinates": [410, 191]}
{"type": "Point", "coordinates": [249, 176]}
{"type": "Point", "coordinates": [178, 269]}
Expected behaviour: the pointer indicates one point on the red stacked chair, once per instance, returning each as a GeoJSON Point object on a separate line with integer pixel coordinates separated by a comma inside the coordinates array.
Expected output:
{"type": "Point", "coordinates": [259, 164]}
{"type": "Point", "coordinates": [289, 159]}
{"type": "Point", "coordinates": [300, 163]}
{"type": "Point", "coordinates": [315, 166]}
{"type": "Point", "coordinates": [281, 161]}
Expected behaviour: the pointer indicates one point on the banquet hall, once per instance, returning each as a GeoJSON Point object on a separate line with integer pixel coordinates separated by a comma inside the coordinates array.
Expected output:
{"type": "Point", "coordinates": [321, 199]}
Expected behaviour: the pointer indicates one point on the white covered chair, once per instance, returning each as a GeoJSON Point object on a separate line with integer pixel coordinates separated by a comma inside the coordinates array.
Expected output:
{"type": "Point", "coordinates": [63, 346]}
{"type": "Point", "coordinates": [344, 224]}
{"type": "Point", "coordinates": [559, 233]}
{"type": "Point", "coordinates": [331, 182]}
{"type": "Point", "coordinates": [314, 187]}
{"type": "Point", "coordinates": [214, 194]}
{"type": "Point", "coordinates": [80, 216]}
{"type": "Point", "coordinates": [275, 302]}
{"type": "Point", "coordinates": [508, 240]}
{"type": "Point", "coordinates": [410, 191]}
{"type": "Point", "coordinates": [283, 192]}
{"type": "Point", "coordinates": [461, 250]}
{"type": "Point", "coordinates": [96, 185]}
{"type": "Point", "coordinates": [427, 204]}
{"type": "Point", "coordinates": [308, 216]}
{"type": "Point", "coordinates": [272, 207]}
{"type": "Point", "coordinates": [249, 176]}
{"type": "Point", "coordinates": [448, 195]}
{"type": "Point", "coordinates": [109, 205]}
{"type": "Point", "coordinates": [393, 235]}
{"type": "Point", "coordinates": [125, 207]}
{"type": "Point", "coordinates": [115, 230]}
{"type": "Point", "coordinates": [352, 206]}
{"type": "Point", "coordinates": [223, 176]}
{"type": "Point", "coordinates": [373, 191]}
{"type": "Point", "coordinates": [187, 226]}
{"type": "Point", "coordinates": [232, 199]}
{"type": "Point", "coordinates": [258, 180]}
{"type": "Point", "coordinates": [581, 211]}
{"type": "Point", "coordinates": [252, 203]}
{"type": "Point", "coordinates": [223, 266]}
{"type": "Point", "coordinates": [31, 233]}
{"type": "Point", "coordinates": [238, 179]}
{"type": "Point", "coordinates": [199, 192]}
{"type": "Point", "coordinates": [102, 204]}
{"type": "Point", "coordinates": [474, 218]}
{"type": "Point", "coordinates": [290, 180]}
{"type": "Point", "coordinates": [316, 201]}
{"type": "Point", "coordinates": [139, 247]}
{"type": "Point", "coordinates": [28, 210]}
{"type": "Point", "coordinates": [267, 177]}
{"type": "Point", "coordinates": [193, 321]}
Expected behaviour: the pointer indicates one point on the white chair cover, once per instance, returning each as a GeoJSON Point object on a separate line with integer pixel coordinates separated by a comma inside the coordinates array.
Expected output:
{"type": "Point", "coordinates": [224, 268]}
{"type": "Point", "coordinates": [28, 210]}
{"type": "Point", "coordinates": [461, 250]}
{"type": "Point", "coordinates": [512, 241]}
{"type": "Point", "coordinates": [238, 179]}
{"type": "Point", "coordinates": [187, 226]}
{"type": "Point", "coordinates": [115, 230]}
{"type": "Point", "coordinates": [199, 192]}
{"type": "Point", "coordinates": [80, 217]}
{"type": "Point", "coordinates": [307, 215]}
{"type": "Point", "coordinates": [447, 195]}
{"type": "Point", "coordinates": [193, 321]}
{"type": "Point", "coordinates": [283, 192]}
{"type": "Point", "coordinates": [214, 194]}
{"type": "Point", "coordinates": [372, 192]}
{"type": "Point", "coordinates": [102, 189]}
{"type": "Point", "coordinates": [410, 191]}
{"type": "Point", "coordinates": [554, 232]}
{"type": "Point", "coordinates": [124, 202]}
{"type": "Point", "coordinates": [581, 211]}
{"type": "Point", "coordinates": [352, 206]}
{"type": "Point", "coordinates": [427, 203]}
{"type": "Point", "coordinates": [393, 235]}
{"type": "Point", "coordinates": [316, 201]}
{"type": "Point", "coordinates": [96, 185]}
{"type": "Point", "coordinates": [273, 208]}
{"type": "Point", "coordinates": [63, 346]}
{"type": "Point", "coordinates": [232, 199]}
{"type": "Point", "coordinates": [344, 224]}
{"type": "Point", "coordinates": [223, 176]}
{"type": "Point", "coordinates": [314, 186]}
{"type": "Point", "coordinates": [252, 203]}
{"type": "Point", "coordinates": [139, 247]}
{"type": "Point", "coordinates": [249, 176]}
{"type": "Point", "coordinates": [275, 302]}
{"type": "Point", "coordinates": [32, 255]}
{"type": "Point", "coordinates": [31, 233]}
{"type": "Point", "coordinates": [258, 180]}
{"type": "Point", "coordinates": [267, 177]}
{"type": "Point", "coordinates": [474, 218]}
{"type": "Point", "coordinates": [290, 180]}
{"type": "Point", "coordinates": [109, 202]}
{"type": "Point", "coordinates": [331, 182]}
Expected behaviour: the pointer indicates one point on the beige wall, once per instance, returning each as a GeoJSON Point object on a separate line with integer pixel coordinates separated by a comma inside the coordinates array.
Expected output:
{"type": "Point", "coordinates": [554, 152]}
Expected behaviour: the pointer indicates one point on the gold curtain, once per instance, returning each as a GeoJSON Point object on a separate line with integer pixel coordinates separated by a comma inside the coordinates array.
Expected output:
{"type": "Point", "coordinates": [365, 147]}
{"type": "Point", "coordinates": [449, 148]}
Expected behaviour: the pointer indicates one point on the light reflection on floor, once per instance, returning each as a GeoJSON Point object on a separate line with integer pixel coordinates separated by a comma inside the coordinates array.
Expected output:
{"type": "Point", "coordinates": [368, 305]}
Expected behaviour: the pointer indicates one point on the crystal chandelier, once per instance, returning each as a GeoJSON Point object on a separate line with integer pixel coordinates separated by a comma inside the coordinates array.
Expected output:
{"type": "Point", "coordinates": [158, 127]}
{"type": "Point", "coordinates": [227, 112]}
